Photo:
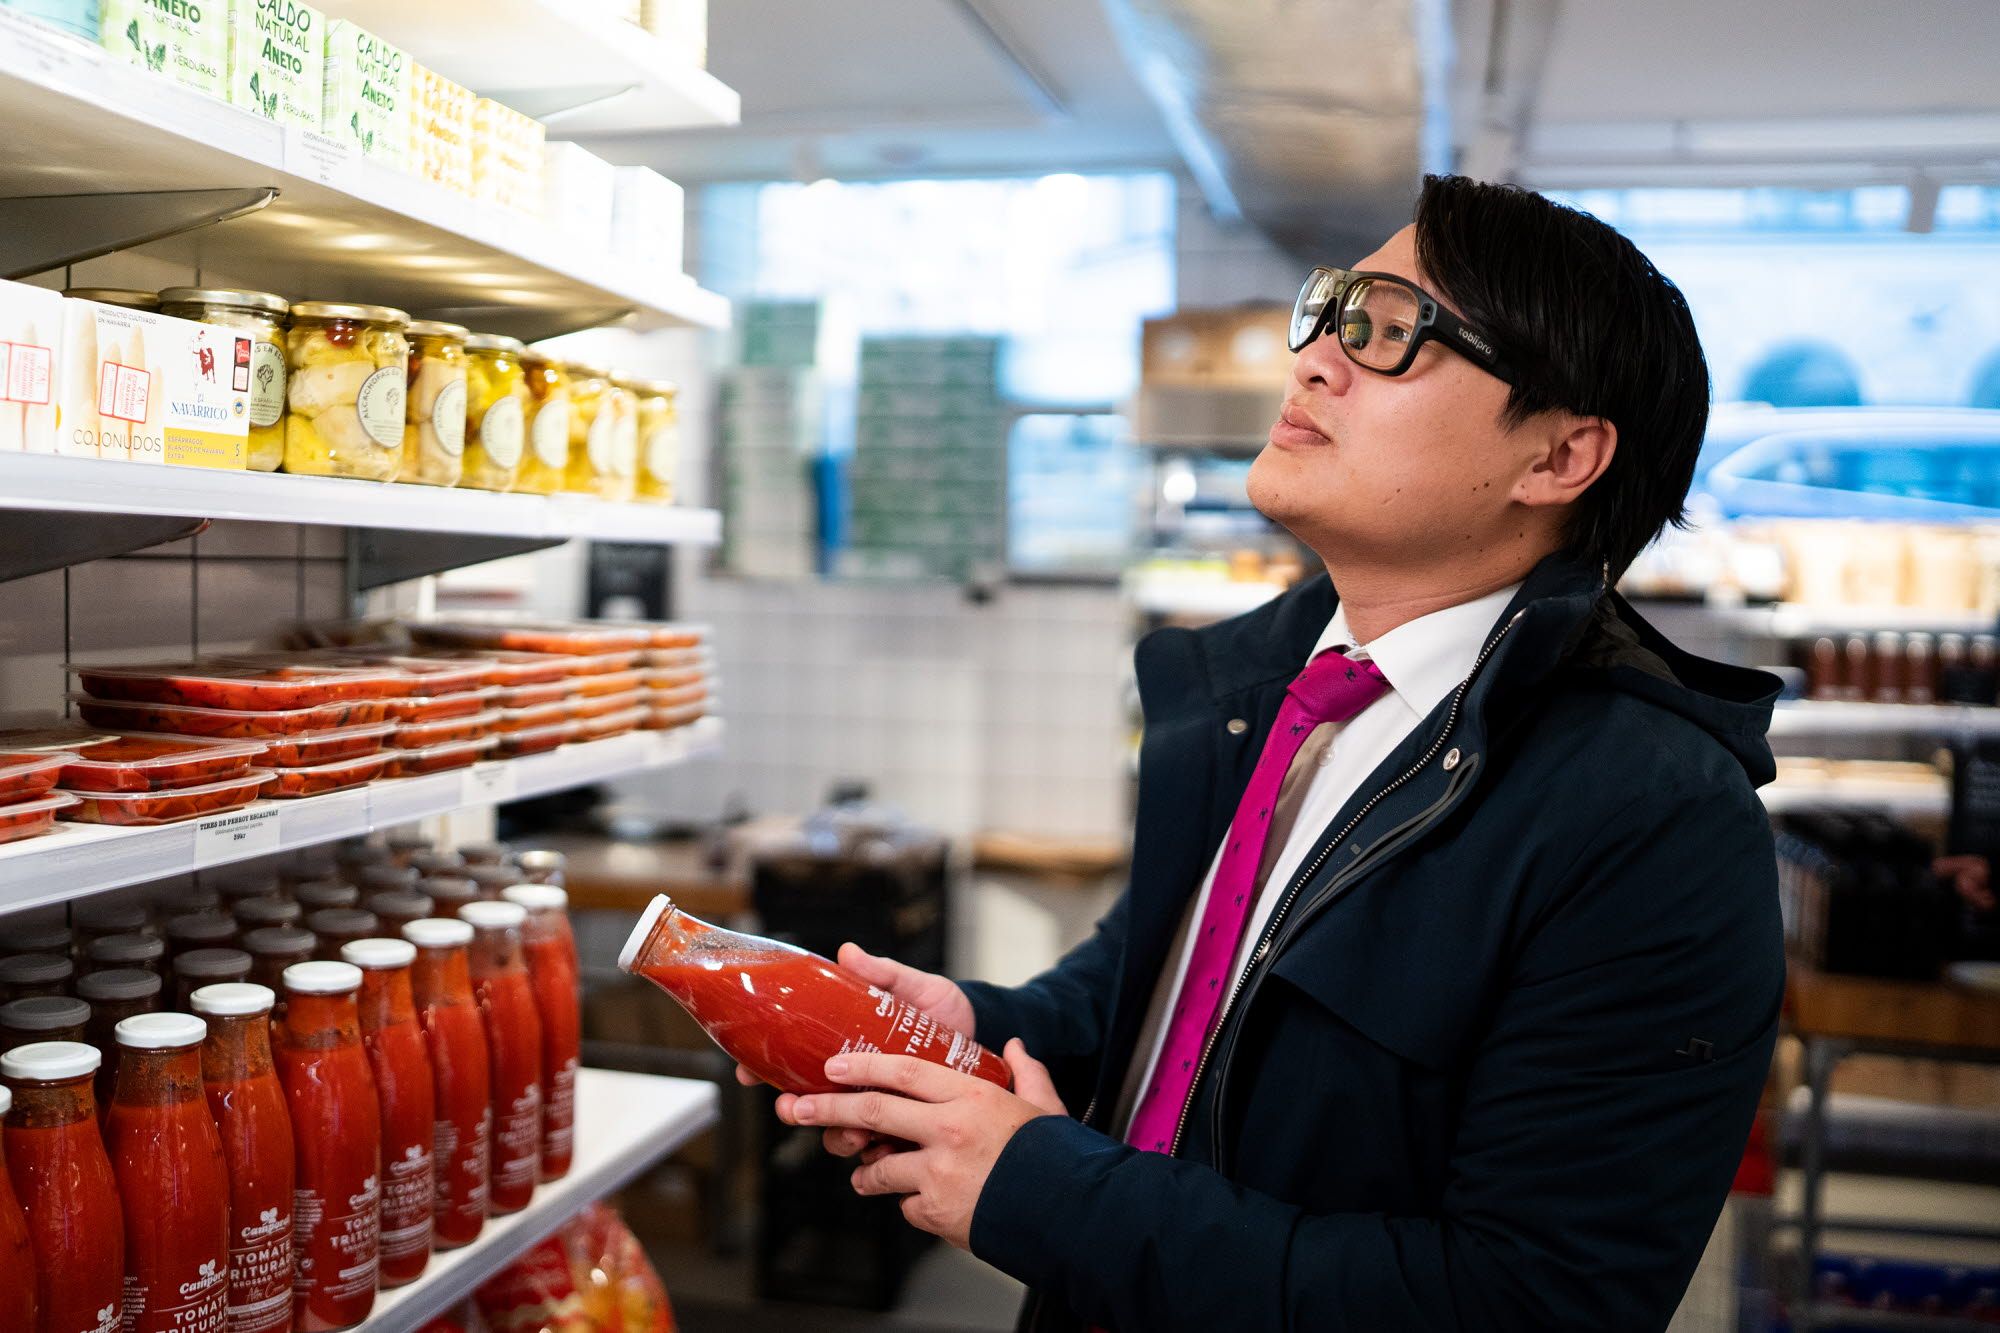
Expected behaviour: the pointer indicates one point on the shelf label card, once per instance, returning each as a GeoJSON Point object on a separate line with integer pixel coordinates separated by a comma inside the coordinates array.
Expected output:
{"type": "Point", "coordinates": [233, 836]}
{"type": "Point", "coordinates": [319, 157]}
{"type": "Point", "coordinates": [490, 782]}
{"type": "Point", "coordinates": [45, 51]}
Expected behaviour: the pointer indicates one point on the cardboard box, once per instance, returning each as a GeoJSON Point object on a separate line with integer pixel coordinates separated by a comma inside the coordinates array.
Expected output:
{"type": "Point", "coordinates": [1240, 348]}
{"type": "Point", "coordinates": [507, 157]}
{"type": "Point", "coordinates": [150, 388]}
{"type": "Point", "coordinates": [578, 188]}
{"type": "Point", "coordinates": [648, 219]}
{"type": "Point", "coordinates": [367, 93]}
{"type": "Point", "coordinates": [277, 60]}
{"type": "Point", "coordinates": [185, 41]}
{"type": "Point", "coordinates": [30, 337]}
{"type": "Point", "coordinates": [441, 129]}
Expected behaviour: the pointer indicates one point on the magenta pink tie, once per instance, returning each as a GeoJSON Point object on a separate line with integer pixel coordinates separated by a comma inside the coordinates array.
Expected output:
{"type": "Point", "coordinates": [1331, 689]}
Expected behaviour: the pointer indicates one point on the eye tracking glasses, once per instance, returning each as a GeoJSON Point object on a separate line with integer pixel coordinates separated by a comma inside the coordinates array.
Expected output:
{"type": "Point", "coordinates": [1381, 321]}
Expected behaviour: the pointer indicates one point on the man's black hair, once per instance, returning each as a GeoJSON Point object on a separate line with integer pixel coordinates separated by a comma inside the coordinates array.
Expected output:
{"type": "Point", "coordinates": [1592, 328]}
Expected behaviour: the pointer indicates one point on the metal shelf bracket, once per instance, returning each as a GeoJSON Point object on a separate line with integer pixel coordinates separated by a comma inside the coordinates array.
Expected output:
{"type": "Point", "coordinates": [378, 557]}
{"type": "Point", "coordinates": [41, 232]}
{"type": "Point", "coordinates": [34, 541]}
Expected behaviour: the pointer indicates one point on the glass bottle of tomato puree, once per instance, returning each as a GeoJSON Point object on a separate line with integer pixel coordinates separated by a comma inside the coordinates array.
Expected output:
{"type": "Point", "coordinates": [248, 1107]}
{"type": "Point", "coordinates": [550, 948]}
{"type": "Point", "coordinates": [462, 1142]}
{"type": "Point", "coordinates": [337, 1145]}
{"type": "Point", "coordinates": [167, 1159]}
{"type": "Point", "coordinates": [781, 1012]}
{"type": "Point", "coordinates": [405, 1091]}
{"type": "Point", "coordinates": [17, 1252]}
{"type": "Point", "coordinates": [56, 1161]}
{"type": "Point", "coordinates": [513, 1049]}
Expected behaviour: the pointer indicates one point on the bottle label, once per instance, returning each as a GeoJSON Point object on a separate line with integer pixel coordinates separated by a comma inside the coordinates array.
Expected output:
{"type": "Point", "coordinates": [260, 1275]}
{"type": "Point", "coordinates": [602, 439]}
{"type": "Point", "coordinates": [500, 432]}
{"type": "Point", "coordinates": [380, 404]}
{"type": "Point", "coordinates": [338, 1247]}
{"type": "Point", "coordinates": [518, 1146]}
{"type": "Point", "coordinates": [448, 418]}
{"type": "Point", "coordinates": [911, 1031]}
{"type": "Point", "coordinates": [550, 434]}
{"type": "Point", "coordinates": [559, 1113]}
{"type": "Point", "coordinates": [200, 1304]}
{"type": "Point", "coordinates": [461, 1171]}
{"type": "Point", "coordinates": [407, 1197]}
{"type": "Point", "coordinates": [661, 446]}
{"type": "Point", "coordinates": [267, 384]}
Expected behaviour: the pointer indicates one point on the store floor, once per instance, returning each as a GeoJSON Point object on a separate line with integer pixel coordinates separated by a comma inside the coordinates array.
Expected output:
{"type": "Point", "coordinates": [949, 1291]}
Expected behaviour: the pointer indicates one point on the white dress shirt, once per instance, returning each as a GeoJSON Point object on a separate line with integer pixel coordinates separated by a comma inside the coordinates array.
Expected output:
{"type": "Point", "coordinates": [1423, 660]}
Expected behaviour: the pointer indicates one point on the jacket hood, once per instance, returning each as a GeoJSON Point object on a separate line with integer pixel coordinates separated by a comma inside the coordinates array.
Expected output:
{"type": "Point", "coordinates": [1563, 619]}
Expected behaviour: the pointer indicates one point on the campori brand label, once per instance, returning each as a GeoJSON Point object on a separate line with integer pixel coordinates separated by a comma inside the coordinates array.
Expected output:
{"type": "Point", "coordinates": [199, 1305]}
{"type": "Point", "coordinates": [260, 1275]}
{"type": "Point", "coordinates": [353, 1227]}
{"type": "Point", "coordinates": [408, 1196]}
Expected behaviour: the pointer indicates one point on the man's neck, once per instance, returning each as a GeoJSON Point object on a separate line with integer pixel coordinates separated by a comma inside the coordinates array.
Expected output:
{"type": "Point", "coordinates": [1376, 600]}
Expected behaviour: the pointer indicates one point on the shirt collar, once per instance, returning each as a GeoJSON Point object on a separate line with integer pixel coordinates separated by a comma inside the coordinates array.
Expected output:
{"type": "Point", "coordinates": [1424, 659]}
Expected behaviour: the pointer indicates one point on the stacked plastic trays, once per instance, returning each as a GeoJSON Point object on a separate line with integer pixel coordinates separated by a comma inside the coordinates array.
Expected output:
{"type": "Point", "coordinates": [28, 802]}
{"type": "Point", "coordinates": [446, 717]}
{"type": "Point", "coordinates": [139, 778]}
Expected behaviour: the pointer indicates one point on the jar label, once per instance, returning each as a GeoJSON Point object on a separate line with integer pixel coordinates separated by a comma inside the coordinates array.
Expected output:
{"type": "Point", "coordinates": [338, 1242]}
{"type": "Point", "coordinates": [380, 404]}
{"type": "Point", "coordinates": [448, 417]}
{"type": "Point", "coordinates": [602, 440]}
{"type": "Point", "coordinates": [260, 1275]}
{"type": "Point", "coordinates": [267, 383]}
{"type": "Point", "coordinates": [551, 435]}
{"type": "Point", "coordinates": [408, 1195]}
{"type": "Point", "coordinates": [500, 432]}
{"type": "Point", "coordinates": [661, 446]}
{"type": "Point", "coordinates": [625, 447]}
{"type": "Point", "coordinates": [198, 1305]}
{"type": "Point", "coordinates": [517, 1142]}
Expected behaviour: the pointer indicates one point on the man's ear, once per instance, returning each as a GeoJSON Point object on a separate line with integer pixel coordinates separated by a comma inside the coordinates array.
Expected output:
{"type": "Point", "coordinates": [1572, 452]}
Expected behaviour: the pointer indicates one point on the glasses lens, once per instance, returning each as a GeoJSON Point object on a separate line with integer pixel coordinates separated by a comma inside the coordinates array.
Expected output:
{"type": "Point", "coordinates": [1378, 320]}
{"type": "Point", "coordinates": [1318, 290]}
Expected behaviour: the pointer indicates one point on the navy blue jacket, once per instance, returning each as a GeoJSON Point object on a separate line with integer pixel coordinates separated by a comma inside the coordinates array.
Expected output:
{"type": "Point", "coordinates": [1496, 1056]}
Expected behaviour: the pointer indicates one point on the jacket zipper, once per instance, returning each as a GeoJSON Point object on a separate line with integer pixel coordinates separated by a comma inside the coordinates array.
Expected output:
{"type": "Point", "coordinates": [1319, 860]}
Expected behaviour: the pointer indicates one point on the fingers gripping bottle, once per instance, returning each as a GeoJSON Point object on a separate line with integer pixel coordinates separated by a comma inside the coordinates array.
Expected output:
{"type": "Point", "coordinates": [781, 1012]}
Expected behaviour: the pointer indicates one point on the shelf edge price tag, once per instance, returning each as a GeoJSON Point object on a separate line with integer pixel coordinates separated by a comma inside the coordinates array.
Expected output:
{"type": "Point", "coordinates": [233, 836]}
{"type": "Point", "coordinates": [490, 782]}
{"type": "Point", "coordinates": [319, 157]}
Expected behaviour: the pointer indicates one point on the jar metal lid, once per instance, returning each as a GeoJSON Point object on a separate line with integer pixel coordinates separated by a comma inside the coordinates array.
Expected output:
{"type": "Point", "coordinates": [49, 1061]}
{"type": "Point", "coordinates": [342, 921]}
{"type": "Point", "coordinates": [536, 897]}
{"type": "Point", "coordinates": [588, 369]}
{"type": "Point", "coordinates": [407, 842]}
{"type": "Point", "coordinates": [34, 969]}
{"type": "Point", "coordinates": [379, 953]}
{"type": "Point", "coordinates": [438, 932]}
{"type": "Point", "coordinates": [406, 904]}
{"type": "Point", "coordinates": [233, 999]}
{"type": "Point", "coordinates": [448, 889]}
{"type": "Point", "coordinates": [211, 963]}
{"type": "Point", "coordinates": [373, 314]}
{"type": "Point", "coordinates": [257, 912]}
{"type": "Point", "coordinates": [127, 949]}
{"type": "Point", "coordinates": [160, 1032]}
{"type": "Point", "coordinates": [437, 328]}
{"type": "Point", "coordinates": [118, 983]}
{"type": "Point", "coordinates": [317, 893]}
{"type": "Point", "coordinates": [199, 926]}
{"type": "Point", "coordinates": [43, 1013]}
{"type": "Point", "coordinates": [128, 297]}
{"type": "Point", "coordinates": [229, 296]}
{"type": "Point", "coordinates": [279, 940]}
{"type": "Point", "coordinates": [39, 939]}
{"type": "Point", "coordinates": [111, 918]}
{"type": "Point", "coordinates": [322, 978]}
{"type": "Point", "coordinates": [494, 342]}
{"type": "Point", "coordinates": [652, 388]}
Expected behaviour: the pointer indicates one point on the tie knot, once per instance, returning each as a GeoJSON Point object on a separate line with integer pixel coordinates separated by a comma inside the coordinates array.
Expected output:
{"type": "Point", "coordinates": [1334, 687]}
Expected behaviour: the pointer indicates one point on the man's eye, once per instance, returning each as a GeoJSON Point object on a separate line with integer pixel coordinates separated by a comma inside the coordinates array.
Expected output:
{"type": "Point", "coordinates": [1398, 333]}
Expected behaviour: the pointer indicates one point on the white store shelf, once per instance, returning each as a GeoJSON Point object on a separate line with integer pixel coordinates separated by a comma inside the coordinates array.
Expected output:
{"type": "Point", "coordinates": [624, 1123]}
{"type": "Point", "coordinates": [342, 228]}
{"type": "Point", "coordinates": [1792, 620]}
{"type": "Point", "coordinates": [105, 486]}
{"type": "Point", "coordinates": [586, 71]}
{"type": "Point", "coordinates": [77, 859]}
{"type": "Point", "coordinates": [1808, 717]}
{"type": "Point", "coordinates": [1169, 595]}
{"type": "Point", "coordinates": [1890, 797]}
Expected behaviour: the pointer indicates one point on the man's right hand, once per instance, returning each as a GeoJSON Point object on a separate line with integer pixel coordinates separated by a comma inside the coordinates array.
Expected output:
{"type": "Point", "coordinates": [937, 996]}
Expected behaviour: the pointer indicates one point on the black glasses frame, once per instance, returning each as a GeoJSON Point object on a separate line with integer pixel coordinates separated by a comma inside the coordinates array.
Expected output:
{"type": "Point", "coordinates": [1434, 321]}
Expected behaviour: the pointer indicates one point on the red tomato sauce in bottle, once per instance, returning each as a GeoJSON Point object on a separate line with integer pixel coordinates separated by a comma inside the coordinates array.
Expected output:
{"type": "Point", "coordinates": [462, 1141]}
{"type": "Point", "coordinates": [56, 1160]}
{"type": "Point", "coordinates": [247, 1104]}
{"type": "Point", "coordinates": [513, 1049]}
{"type": "Point", "coordinates": [557, 980]}
{"type": "Point", "coordinates": [781, 1012]}
{"type": "Point", "coordinates": [337, 1141]}
{"type": "Point", "coordinates": [405, 1089]}
{"type": "Point", "coordinates": [17, 1251]}
{"type": "Point", "coordinates": [167, 1159]}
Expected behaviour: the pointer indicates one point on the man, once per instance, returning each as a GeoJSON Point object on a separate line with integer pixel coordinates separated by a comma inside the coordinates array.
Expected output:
{"type": "Point", "coordinates": [1449, 972]}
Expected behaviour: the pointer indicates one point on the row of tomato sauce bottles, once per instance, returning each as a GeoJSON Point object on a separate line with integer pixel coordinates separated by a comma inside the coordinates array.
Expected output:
{"type": "Point", "coordinates": [267, 1162]}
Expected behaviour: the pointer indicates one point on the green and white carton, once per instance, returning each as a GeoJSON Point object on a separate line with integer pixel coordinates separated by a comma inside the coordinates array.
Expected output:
{"type": "Point", "coordinates": [368, 93]}
{"type": "Point", "coordinates": [186, 40]}
{"type": "Point", "coordinates": [277, 60]}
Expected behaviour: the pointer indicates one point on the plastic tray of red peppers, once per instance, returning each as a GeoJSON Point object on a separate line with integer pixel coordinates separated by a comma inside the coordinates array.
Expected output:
{"type": "Point", "coordinates": [439, 707]}
{"type": "Point", "coordinates": [29, 819]}
{"type": "Point", "coordinates": [312, 748]}
{"type": "Point", "coordinates": [138, 763]}
{"type": "Point", "coordinates": [423, 735]}
{"type": "Point", "coordinates": [226, 723]}
{"type": "Point", "coordinates": [575, 639]}
{"type": "Point", "coordinates": [166, 807]}
{"type": "Point", "coordinates": [25, 776]}
{"type": "Point", "coordinates": [244, 686]}
{"type": "Point", "coordinates": [438, 758]}
{"type": "Point", "coordinates": [287, 783]}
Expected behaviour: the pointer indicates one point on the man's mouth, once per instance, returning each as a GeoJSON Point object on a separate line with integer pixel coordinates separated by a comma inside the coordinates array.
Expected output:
{"type": "Point", "coordinates": [1295, 430]}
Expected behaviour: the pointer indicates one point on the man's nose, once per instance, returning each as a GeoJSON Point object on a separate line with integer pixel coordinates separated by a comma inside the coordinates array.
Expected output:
{"type": "Point", "coordinates": [1322, 362]}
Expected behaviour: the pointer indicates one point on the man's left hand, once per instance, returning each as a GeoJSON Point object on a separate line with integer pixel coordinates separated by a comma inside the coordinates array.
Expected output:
{"type": "Point", "coordinates": [957, 1123]}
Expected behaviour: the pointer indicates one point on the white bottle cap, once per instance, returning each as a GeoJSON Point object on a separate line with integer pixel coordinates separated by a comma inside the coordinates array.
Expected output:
{"type": "Point", "coordinates": [493, 916]}
{"type": "Point", "coordinates": [233, 999]}
{"type": "Point", "coordinates": [379, 954]}
{"type": "Point", "coordinates": [160, 1032]}
{"type": "Point", "coordinates": [438, 932]}
{"type": "Point", "coordinates": [6, 1100]}
{"type": "Point", "coordinates": [322, 978]}
{"type": "Point", "coordinates": [536, 897]}
{"type": "Point", "coordinates": [48, 1061]}
{"type": "Point", "coordinates": [637, 939]}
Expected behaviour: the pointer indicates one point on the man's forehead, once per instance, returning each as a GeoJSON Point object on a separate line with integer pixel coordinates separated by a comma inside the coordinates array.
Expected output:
{"type": "Point", "coordinates": [1397, 255]}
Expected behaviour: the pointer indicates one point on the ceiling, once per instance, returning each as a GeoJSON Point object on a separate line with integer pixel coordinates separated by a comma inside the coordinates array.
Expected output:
{"type": "Point", "coordinates": [1551, 92]}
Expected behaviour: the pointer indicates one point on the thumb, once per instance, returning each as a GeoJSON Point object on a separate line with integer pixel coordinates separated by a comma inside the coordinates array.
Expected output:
{"type": "Point", "coordinates": [1032, 1083]}
{"type": "Point", "coordinates": [884, 972]}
